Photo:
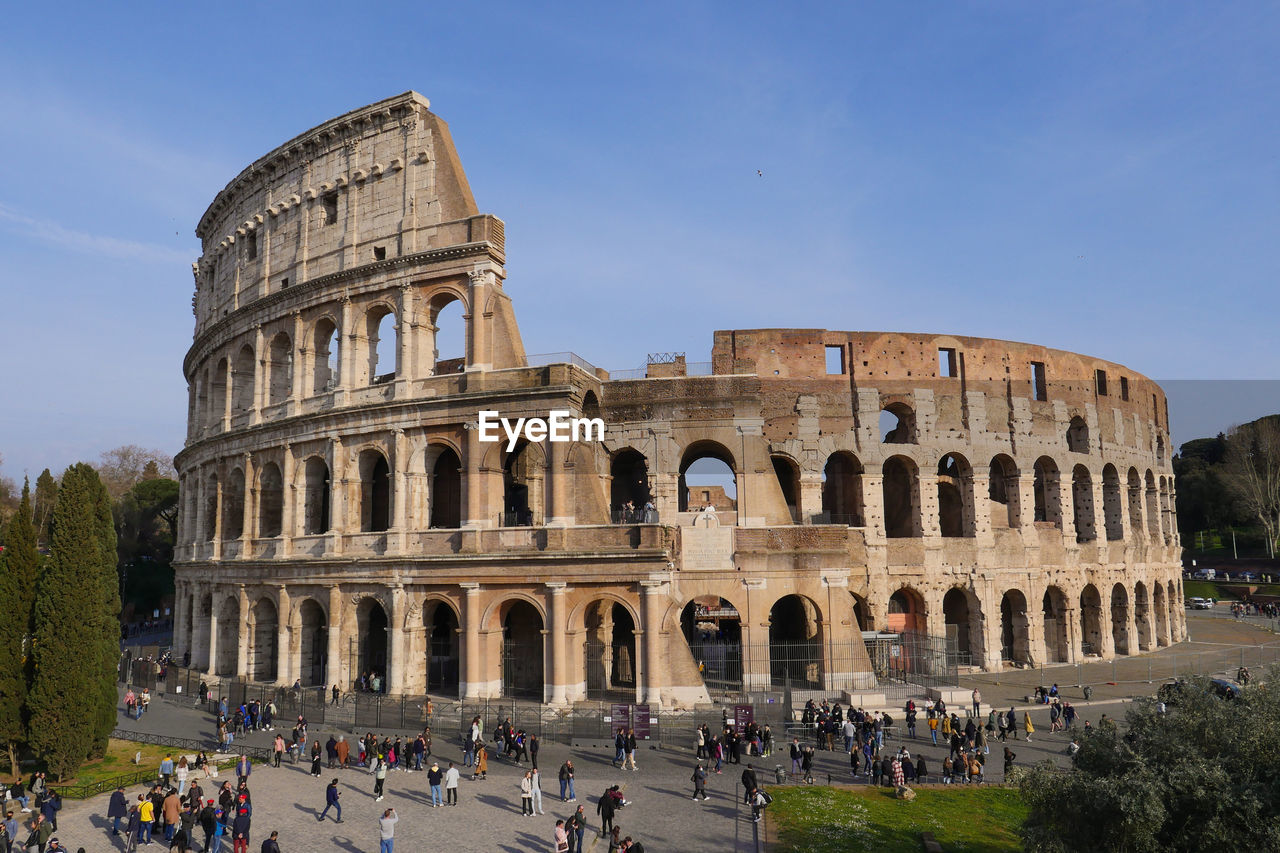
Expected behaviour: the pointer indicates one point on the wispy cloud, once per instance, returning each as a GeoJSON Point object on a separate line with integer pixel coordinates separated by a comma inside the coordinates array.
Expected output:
{"type": "Point", "coordinates": [58, 235]}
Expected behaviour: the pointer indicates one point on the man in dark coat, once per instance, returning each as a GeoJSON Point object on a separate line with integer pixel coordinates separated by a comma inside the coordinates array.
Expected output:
{"type": "Point", "coordinates": [117, 810]}
{"type": "Point", "coordinates": [749, 783]}
{"type": "Point", "coordinates": [240, 831]}
{"type": "Point", "coordinates": [606, 809]}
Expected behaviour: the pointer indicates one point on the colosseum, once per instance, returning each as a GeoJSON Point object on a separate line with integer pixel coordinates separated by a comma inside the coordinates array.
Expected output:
{"type": "Point", "coordinates": [343, 517]}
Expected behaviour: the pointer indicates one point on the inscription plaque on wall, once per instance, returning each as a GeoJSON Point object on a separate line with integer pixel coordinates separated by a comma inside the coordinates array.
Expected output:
{"type": "Point", "coordinates": [706, 548]}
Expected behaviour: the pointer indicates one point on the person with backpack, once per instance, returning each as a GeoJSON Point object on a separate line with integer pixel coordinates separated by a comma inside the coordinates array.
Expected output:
{"type": "Point", "coordinates": [759, 800]}
{"type": "Point", "coordinates": [699, 780]}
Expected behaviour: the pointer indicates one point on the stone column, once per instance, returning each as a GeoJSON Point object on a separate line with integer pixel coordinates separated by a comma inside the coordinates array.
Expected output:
{"type": "Point", "coordinates": [217, 522]}
{"type": "Point", "coordinates": [289, 503]}
{"type": "Point", "coordinates": [346, 354]}
{"type": "Point", "coordinates": [478, 344]}
{"type": "Point", "coordinates": [296, 377]}
{"type": "Point", "coordinates": [242, 648]}
{"type": "Point", "coordinates": [405, 340]}
{"type": "Point", "coordinates": [285, 666]}
{"type": "Point", "coordinates": [980, 486]}
{"type": "Point", "coordinates": [653, 593]}
{"type": "Point", "coordinates": [556, 627]}
{"type": "Point", "coordinates": [195, 532]}
{"type": "Point", "coordinates": [248, 526]}
{"type": "Point", "coordinates": [259, 392]}
{"type": "Point", "coordinates": [756, 672]}
{"type": "Point", "coordinates": [181, 619]}
{"type": "Point", "coordinates": [337, 495]}
{"type": "Point", "coordinates": [333, 673]}
{"type": "Point", "coordinates": [1075, 653]}
{"type": "Point", "coordinates": [472, 488]}
{"type": "Point", "coordinates": [400, 493]}
{"type": "Point", "coordinates": [211, 646]}
{"type": "Point", "coordinates": [471, 663]}
{"type": "Point", "coordinates": [395, 641]}
{"type": "Point", "coordinates": [873, 505]}
{"type": "Point", "coordinates": [928, 508]}
{"type": "Point", "coordinates": [1067, 504]}
{"type": "Point", "coordinates": [560, 513]}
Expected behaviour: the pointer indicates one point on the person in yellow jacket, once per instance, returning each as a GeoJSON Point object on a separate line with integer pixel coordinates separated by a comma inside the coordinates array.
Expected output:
{"type": "Point", "coordinates": [146, 817]}
{"type": "Point", "coordinates": [933, 729]}
{"type": "Point", "coordinates": [1026, 722]}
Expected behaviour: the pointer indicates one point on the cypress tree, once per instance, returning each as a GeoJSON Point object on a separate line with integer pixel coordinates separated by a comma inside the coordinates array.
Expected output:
{"type": "Point", "coordinates": [17, 594]}
{"type": "Point", "coordinates": [66, 690]}
{"type": "Point", "coordinates": [109, 614]}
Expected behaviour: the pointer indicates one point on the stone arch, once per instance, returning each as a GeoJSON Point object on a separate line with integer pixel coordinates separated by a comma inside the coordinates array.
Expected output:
{"type": "Point", "coordinates": [242, 378]}
{"type": "Point", "coordinates": [1162, 613]}
{"type": "Point", "coordinates": [523, 470]}
{"type": "Point", "coordinates": [696, 451]}
{"type": "Point", "coordinates": [445, 469]}
{"type": "Point", "coordinates": [1082, 504]}
{"type": "Point", "coordinates": [211, 508]}
{"type": "Point", "coordinates": [218, 392]}
{"type": "Point", "coordinates": [901, 485]}
{"type": "Point", "coordinates": [375, 491]}
{"type": "Point", "coordinates": [787, 472]}
{"type": "Point", "coordinates": [263, 635]}
{"type": "Point", "coordinates": [1015, 638]}
{"type": "Point", "coordinates": [1153, 508]}
{"type": "Point", "coordinates": [523, 647]}
{"type": "Point", "coordinates": [313, 641]}
{"type": "Point", "coordinates": [441, 621]}
{"type": "Point", "coordinates": [449, 319]}
{"type": "Point", "coordinates": [270, 501]}
{"type": "Point", "coordinates": [628, 484]}
{"type": "Point", "coordinates": [908, 613]}
{"type": "Point", "coordinates": [228, 637]}
{"type": "Point", "coordinates": [372, 641]}
{"type": "Point", "coordinates": [1136, 527]}
{"type": "Point", "coordinates": [862, 618]}
{"type": "Point", "coordinates": [233, 506]}
{"type": "Point", "coordinates": [317, 492]}
{"type": "Point", "coordinates": [1142, 615]}
{"type": "Point", "coordinates": [955, 496]}
{"type": "Point", "coordinates": [1090, 620]}
{"type": "Point", "coordinates": [962, 618]}
{"type": "Point", "coordinates": [842, 501]}
{"type": "Point", "coordinates": [610, 649]}
{"type": "Point", "coordinates": [279, 369]}
{"type": "Point", "coordinates": [1166, 510]}
{"type": "Point", "coordinates": [380, 329]}
{"type": "Point", "coordinates": [326, 356]}
{"type": "Point", "coordinates": [1078, 435]}
{"type": "Point", "coordinates": [1002, 491]}
{"type": "Point", "coordinates": [795, 642]}
{"type": "Point", "coordinates": [1048, 491]}
{"type": "Point", "coordinates": [1120, 619]}
{"type": "Point", "coordinates": [712, 627]}
{"type": "Point", "coordinates": [1112, 503]}
{"type": "Point", "coordinates": [1057, 638]}
{"type": "Point", "coordinates": [897, 423]}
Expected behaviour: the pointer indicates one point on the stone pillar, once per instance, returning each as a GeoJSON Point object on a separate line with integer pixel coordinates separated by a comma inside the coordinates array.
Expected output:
{"type": "Point", "coordinates": [217, 523]}
{"type": "Point", "coordinates": [471, 663]}
{"type": "Point", "coordinates": [289, 503]}
{"type": "Point", "coordinates": [928, 505]}
{"type": "Point", "coordinates": [400, 493]}
{"type": "Point", "coordinates": [756, 673]}
{"type": "Point", "coordinates": [181, 619]}
{"type": "Point", "coordinates": [395, 640]}
{"type": "Point", "coordinates": [337, 495]}
{"type": "Point", "coordinates": [285, 666]}
{"type": "Point", "coordinates": [472, 488]}
{"type": "Point", "coordinates": [557, 624]}
{"type": "Point", "coordinates": [560, 513]}
{"type": "Point", "coordinates": [479, 355]}
{"type": "Point", "coordinates": [248, 526]}
{"type": "Point", "coordinates": [298, 374]}
{"type": "Point", "coordinates": [346, 354]}
{"type": "Point", "coordinates": [1075, 653]}
{"type": "Point", "coordinates": [873, 505]}
{"type": "Point", "coordinates": [653, 594]}
{"type": "Point", "coordinates": [333, 673]}
{"type": "Point", "coordinates": [259, 391]}
{"type": "Point", "coordinates": [211, 644]}
{"type": "Point", "coordinates": [405, 340]}
{"type": "Point", "coordinates": [242, 649]}
{"type": "Point", "coordinates": [980, 489]}
{"type": "Point", "coordinates": [1066, 503]}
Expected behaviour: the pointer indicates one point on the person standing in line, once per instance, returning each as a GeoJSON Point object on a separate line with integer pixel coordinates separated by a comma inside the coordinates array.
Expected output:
{"type": "Point", "coordinates": [699, 779]}
{"type": "Point", "coordinates": [535, 781]}
{"type": "Point", "coordinates": [434, 777]}
{"type": "Point", "coordinates": [272, 844]}
{"type": "Point", "coordinates": [387, 831]}
{"type": "Point", "coordinates": [117, 810]}
{"type": "Point", "coordinates": [526, 795]}
{"type": "Point", "coordinates": [379, 777]}
{"type": "Point", "coordinates": [451, 777]}
{"type": "Point", "coordinates": [331, 796]}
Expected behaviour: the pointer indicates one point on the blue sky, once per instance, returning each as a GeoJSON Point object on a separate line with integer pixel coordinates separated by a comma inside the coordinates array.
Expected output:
{"type": "Point", "coordinates": [1095, 177]}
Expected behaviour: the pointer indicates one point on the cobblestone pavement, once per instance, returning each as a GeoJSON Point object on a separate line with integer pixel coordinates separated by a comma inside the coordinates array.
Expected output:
{"type": "Point", "coordinates": [488, 816]}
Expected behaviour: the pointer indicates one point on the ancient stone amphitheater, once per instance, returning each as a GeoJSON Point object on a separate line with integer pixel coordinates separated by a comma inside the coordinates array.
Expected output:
{"type": "Point", "coordinates": [889, 503]}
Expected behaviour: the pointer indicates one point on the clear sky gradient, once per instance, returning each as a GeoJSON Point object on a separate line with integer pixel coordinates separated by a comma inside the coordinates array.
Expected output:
{"type": "Point", "coordinates": [1096, 177]}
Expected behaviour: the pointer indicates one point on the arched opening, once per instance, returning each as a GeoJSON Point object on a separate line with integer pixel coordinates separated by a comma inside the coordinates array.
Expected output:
{"type": "Point", "coordinates": [270, 501]}
{"type": "Point", "coordinates": [233, 506]}
{"type": "Point", "coordinates": [842, 490]}
{"type": "Point", "coordinates": [313, 642]}
{"type": "Point", "coordinates": [1015, 645]}
{"type": "Point", "coordinates": [325, 357]}
{"type": "Point", "coordinates": [1057, 645]}
{"type": "Point", "coordinates": [204, 614]}
{"type": "Point", "coordinates": [1090, 620]}
{"type": "Point", "coordinates": [1166, 512]}
{"type": "Point", "coordinates": [1175, 607]}
{"type": "Point", "coordinates": [861, 613]}
{"type": "Point", "coordinates": [522, 652]}
{"type": "Point", "coordinates": [955, 496]}
{"type": "Point", "coordinates": [1135, 503]}
{"type": "Point", "coordinates": [1162, 614]}
{"type": "Point", "coordinates": [962, 616]}
{"type": "Point", "coordinates": [1002, 490]}
{"type": "Point", "coordinates": [906, 612]}
{"type": "Point", "coordinates": [795, 643]}
{"type": "Point", "coordinates": [897, 424]}
{"type": "Point", "coordinates": [316, 492]}
{"type": "Point", "coordinates": [1082, 504]}
{"type": "Point", "coordinates": [629, 495]}
{"type": "Point", "coordinates": [372, 657]}
{"type": "Point", "coordinates": [522, 485]}
{"type": "Point", "coordinates": [280, 369]}
{"type": "Point", "coordinates": [610, 649]}
{"type": "Point", "coordinates": [441, 625]}
{"type": "Point", "coordinates": [1078, 435]}
{"type": "Point", "coordinates": [1112, 503]}
{"type": "Point", "coordinates": [380, 326]}
{"type": "Point", "coordinates": [712, 627]}
{"type": "Point", "coordinates": [1153, 508]}
{"type": "Point", "coordinates": [211, 508]}
{"type": "Point", "coordinates": [218, 393]}
{"type": "Point", "coordinates": [262, 646]}
{"type": "Point", "coordinates": [228, 638]}
{"type": "Point", "coordinates": [1142, 615]}
{"type": "Point", "coordinates": [788, 474]}
{"type": "Point", "coordinates": [901, 485]}
{"type": "Point", "coordinates": [1120, 619]}
{"type": "Point", "coordinates": [375, 492]}
{"type": "Point", "coordinates": [1048, 492]}
{"type": "Point", "coordinates": [446, 490]}
{"type": "Point", "coordinates": [707, 478]}
{"type": "Point", "coordinates": [449, 353]}
{"type": "Point", "coordinates": [242, 382]}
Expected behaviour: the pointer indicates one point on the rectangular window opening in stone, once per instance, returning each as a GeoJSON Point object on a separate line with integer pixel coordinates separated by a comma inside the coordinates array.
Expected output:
{"type": "Point", "coordinates": [251, 246]}
{"type": "Point", "coordinates": [284, 282]}
{"type": "Point", "coordinates": [1100, 382]}
{"type": "Point", "coordinates": [379, 253]}
{"type": "Point", "coordinates": [1124, 388]}
{"type": "Point", "coordinates": [1039, 383]}
{"type": "Point", "coordinates": [329, 209]}
{"type": "Point", "coordinates": [835, 360]}
{"type": "Point", "coordinates": [948, 367]}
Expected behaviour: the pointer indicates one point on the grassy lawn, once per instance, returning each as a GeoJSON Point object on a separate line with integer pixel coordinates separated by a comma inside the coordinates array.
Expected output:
{"type": "Point", "coordinates": [849, 820]}
{"type": "Point", "coordinates": [119, 761]}
{"type": "Point", "coordinates": [1227, 590]}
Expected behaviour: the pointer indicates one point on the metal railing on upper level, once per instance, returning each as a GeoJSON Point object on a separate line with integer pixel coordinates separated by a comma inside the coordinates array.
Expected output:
{"type": "Point", "coordinates": [544, 358]}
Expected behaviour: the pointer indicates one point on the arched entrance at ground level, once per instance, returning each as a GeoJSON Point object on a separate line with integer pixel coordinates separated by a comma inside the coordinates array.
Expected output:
{"type": "Point", "coordinates": [962, 615]}
{"type": "Point", "coordinates": [610, 650]}
{"type": "Point", "coordinates": [713, 629]}
{"type": "Point", "coordinates": [262, 645]}
{"type": "Point", "coordinates": [371, 657]}
{"type": "Point", "coordinates": [441, 625]}
{"type": "Point", "coordinates": [906, 612]}
{"type": "Point", "coordinates": [446, 490]}
{"type": "Point", "coordinates": [1057, 646]}
{"type": "Point", "coordinates": [522, 650]}
{"type": "Point", "coordinates": [795, 643]}
{"type": "Point", "coordinates": [204, 612]}
{"type": "Point", "coordinates": [1015, 645]}
{"type": "Point", "coordinates": [228, 638]}
{"type": "Point", "coordinates": [1090, 621]}
{"type": "Point", "coordinates": [1120, 619]}
{"type": "Point", "coordinates": [313, 643]}
{"type": "Point", "coordinates": [1142, 615]}
{"type": "Point", "coordinates": [1162, 614]}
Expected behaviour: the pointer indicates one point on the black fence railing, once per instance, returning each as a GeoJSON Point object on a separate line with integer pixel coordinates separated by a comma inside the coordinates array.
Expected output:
{"type": "Point", "coordinates": [634, 516]}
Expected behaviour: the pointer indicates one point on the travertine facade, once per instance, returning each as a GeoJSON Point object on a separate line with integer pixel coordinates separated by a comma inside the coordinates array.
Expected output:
{"type": "Point", "coordinates": [340, 514]}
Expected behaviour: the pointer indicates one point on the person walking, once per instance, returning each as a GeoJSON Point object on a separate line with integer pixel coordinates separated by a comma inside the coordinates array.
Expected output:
{"type": "Point", "coordinates": [272, 844]}
{"type": "Point", "coordinates": [379, 778]}
{"type": "Point", "coordinates": [387, 831]}
{"type": "Point", "coordinates": [606, 808]}
{"type": "Point", "coordinates": [535, 781]}
{"type": "Point", "coordinates": [1026, 722]}
{"type": "Point", "coordinates": [331, 795]}
{"type": "Point", "coordinates": [451, 777]}
{"type": "Point", "coordinates": [434, 777]}
{"type": "Point", "coordinates": [526, 795]}
{"type": "Point", "coordinates": [699, 780]}
{"type": "Point", "coordinates": [631, 748]}
{"type": "Point", "coordinates": [117, 810]}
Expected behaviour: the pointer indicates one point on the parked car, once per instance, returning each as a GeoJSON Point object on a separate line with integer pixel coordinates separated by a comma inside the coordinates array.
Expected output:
{"type": "Point", "coordinates": [1197, 603]}
{"type": "Point", "coordinates": [1205, 574]}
